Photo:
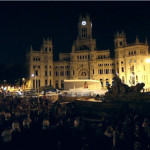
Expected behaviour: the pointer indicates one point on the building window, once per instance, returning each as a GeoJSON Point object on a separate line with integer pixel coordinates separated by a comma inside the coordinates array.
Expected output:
{"type": "Point", "coordinates": [49, 66]}
{"type": "Point", "coordinates": [93, 71]}
{"type": "Point", "coordinates": [45, 67]}
{"type": "Point", "coordinates": [73, 72]}
{"type": "Point", "coordinates": [136, 79]}
{"type": "Point", "coordinates": [45, 49]}
{"type": "Point", "coordinates": [50, 73]}
{"type": "Point", "coordinates": [107, 71]}
{"type": "Point", "coordinates": [101, 71]}
{"type": "Point", "coordinates": [101, 80]}
{"type": "Point", "coordinates": [45, 82]}
{"type": "Point", "coordinates": [130, 61]}
{"type": "Point", "coordinates": [113, 71]}
{"type": "Point", "coordinates": [116, 44]}
{"type": "Point", "coordinates": [113, 82]}
{"type": "Point", "coordinates": [132, 69]}
{"type": "Point", "coordinates": [36, 59]}
{"type": "Point", "coordinates": [33, 83]}
{"type": "Point", "coordinates": [122, 68]}
{"type": "Point", "coordinates": [56, 73]}
{"type": "Point", "coordinates": [33, 66]}
{"type": "Point", "coordinates": [62, 84]}
{"type": "Point", "coordinates": [50, 49]}
{"type": "Point", "coordinates": [50, 83]}
{"type": "Point", "coordinates": [61, 73]}
{"type": "Point", "coordinates": [45, 73]}
{"type": "Point", "coordinates": [122, 79]}
{"type": "Point", "coordinates": [107, 82]}
{"type": "Point", "coordinates": [57, 84]}
{"type": "Point", "coordinates": [121, 43]}
{"type": "Point", "coordinates": [39, 67]}
{"type": "Point", "coordinates": [121, 62]}
{"type": "Point", "coordinates": [36, 72]}
{"type": "Point", "coordinates": [68, 73]}
{"type": "Point", "coordinates": [36, 83]}
{"type": "Point", "coordinates": [39, 83]}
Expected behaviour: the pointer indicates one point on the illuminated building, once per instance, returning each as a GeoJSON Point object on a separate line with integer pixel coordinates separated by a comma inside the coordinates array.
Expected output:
{"type": "Point", "coordinates": [85, 61]}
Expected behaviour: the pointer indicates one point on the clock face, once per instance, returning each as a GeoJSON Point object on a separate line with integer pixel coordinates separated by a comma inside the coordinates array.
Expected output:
{"type": "Point", "coordinates": [83, 23]}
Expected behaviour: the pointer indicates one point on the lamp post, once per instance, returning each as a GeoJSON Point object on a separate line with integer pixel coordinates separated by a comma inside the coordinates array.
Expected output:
{"type": "Point", "coordinates": [23, 81]}
{"type": "Point", "coordinates": [35, 83]}
{"type": "Point", "coordinates": [23, 88]}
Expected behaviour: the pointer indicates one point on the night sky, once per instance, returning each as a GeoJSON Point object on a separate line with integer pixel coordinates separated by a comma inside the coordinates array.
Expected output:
{"type": "Point", "coordinates": [26, 23]}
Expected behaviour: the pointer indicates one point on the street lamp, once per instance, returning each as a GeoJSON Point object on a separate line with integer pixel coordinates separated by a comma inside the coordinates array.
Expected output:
{"type": "Point", "coordinates": [147, 60]}
{"type": "Point", "coordinates": [23, 81]}
{"type": "Point", "coordinates": [35, 82]}
{"type": "Point", "coordinates": [33, 75]}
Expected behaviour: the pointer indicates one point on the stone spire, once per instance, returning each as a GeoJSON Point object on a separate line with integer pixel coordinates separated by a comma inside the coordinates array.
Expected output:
{"type": "Point", "coordinates": [31, 49]}
{"type": "Point", "coordinates": [137, 40]}
{"type": "Point", "coordinates": [146, 41]}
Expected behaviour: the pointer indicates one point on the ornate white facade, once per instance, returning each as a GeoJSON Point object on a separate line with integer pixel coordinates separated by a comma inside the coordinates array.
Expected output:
{"type": "Point", "coordinates": [86, 62]}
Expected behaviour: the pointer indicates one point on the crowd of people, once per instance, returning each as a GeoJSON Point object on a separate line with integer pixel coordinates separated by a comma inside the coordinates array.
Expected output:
{"type": "Point", "coordinates": [36, 123]}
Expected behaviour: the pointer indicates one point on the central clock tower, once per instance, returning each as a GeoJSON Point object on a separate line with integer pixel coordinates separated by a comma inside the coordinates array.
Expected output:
{"type": "Point", "coordinates": [84, 40]}
{"type": "Point", "coordinates": [84, 27]}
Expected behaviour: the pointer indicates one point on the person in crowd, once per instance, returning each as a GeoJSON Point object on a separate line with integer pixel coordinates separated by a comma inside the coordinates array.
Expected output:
{"type": "Point", "coordinates": [146, 125]}
{"type": "Point", "coordinates": [46, 124]}
{"type": "Point", "coordinates": [26, 123]}
{"type": "Point", "coordinates": [116, 137]}
{"type": "Point", "coordinates": [15, 126]}
{"type": "Point", "coordinates": [76, 122]}
{"type": "Point", "coordinates": [7, 135]}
